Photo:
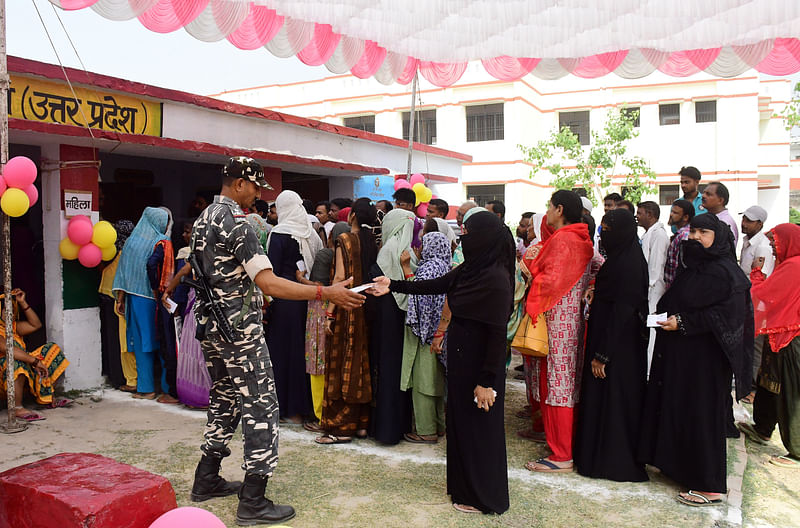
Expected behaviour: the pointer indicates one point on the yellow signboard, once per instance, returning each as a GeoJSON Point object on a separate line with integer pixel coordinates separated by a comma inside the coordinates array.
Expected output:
{"type": "Point", "coordinates": [53, 102]}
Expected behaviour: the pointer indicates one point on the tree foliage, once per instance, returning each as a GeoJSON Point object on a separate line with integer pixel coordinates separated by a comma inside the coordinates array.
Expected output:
{"type": "Point", "coordinates": [572, 165]}
{"type": "Point", "coordinates": [792, 110]}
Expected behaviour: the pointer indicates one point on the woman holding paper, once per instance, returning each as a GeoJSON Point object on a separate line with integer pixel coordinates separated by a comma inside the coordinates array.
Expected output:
{"type": "Point", "coordinates": [707, 337]}
{"type": "Point", "coordinates": [292, 246]}
{"type": "Point", "coordinates": [615, 367]}
{"type": "Point", "coordinates": [348, 385]}
{"type": "Point", "coordinates": [480, 295]}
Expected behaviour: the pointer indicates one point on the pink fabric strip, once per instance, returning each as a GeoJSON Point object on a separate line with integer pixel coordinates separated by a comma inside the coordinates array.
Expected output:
{"type": "Point", "coordinates": [370, 60]}
{"type": "Point", "coordinates": [784, 59]}
{"type": "Point", "coordinates": [442, 74]}
{"type": "Point", "coordinates": [321, 47]}
{"type": "Point", "coordinates": [408, 71]}
{"type": "Point", "coordinates": [170, 15]}
{"type": "Point", "coordinates": [599, 65]}
{"type": "Point", "coordinates": [508, 68]}
{"type": "Point", "coordinates": [258, 28]}
{"type": "Point", "coordinates": [71, 5]}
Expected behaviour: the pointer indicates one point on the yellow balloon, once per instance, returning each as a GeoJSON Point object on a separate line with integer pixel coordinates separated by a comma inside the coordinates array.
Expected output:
{"type": "Point", "coordinates": [104, 235]}
{"type": "Point", "coordinates": [109, 252]}
{"type": "Point", "coordinates": [68, 249]}
{"type": "Point", "coordinates": [427, 195]}
{"type": "Point", "coordinates": [14, 202]}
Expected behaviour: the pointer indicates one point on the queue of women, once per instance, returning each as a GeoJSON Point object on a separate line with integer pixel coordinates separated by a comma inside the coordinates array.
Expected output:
{"type": "Point", "coordinates": [426, 355]}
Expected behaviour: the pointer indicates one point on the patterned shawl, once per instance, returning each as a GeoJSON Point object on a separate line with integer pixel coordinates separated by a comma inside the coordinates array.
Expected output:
{"type": "Point", "coordinates": [425, 311]}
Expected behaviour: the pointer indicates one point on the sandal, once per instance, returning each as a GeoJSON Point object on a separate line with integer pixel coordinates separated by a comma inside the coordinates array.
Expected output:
{"type": "Point", "coordinates": [785, 461]}
{"type": "Point", "coordinates": [144, 395]}
{"type": "Point", "coordinates": [466, 508]}
{"type": "Point", "coordinates": [314, 427]}
{"type": "Point", "coordinates": [168, 399]}
{"type": "Point", "coordinates": [61, 403]}
{"type": "Point", "coordinates": [530, 434]}
{"type": "Point", "coordinates": [127, 388]}
{"type": "Point", "coordinates": [751, 433]}
{"type": "Point", "coordinates": [705, 501]}
{"type": "Point", "coordinates": [329, 439]}
{"type": "Point", "coordinates": [549, 467]}
{"type": "Point", "coordinates": [414, 438]}
{"type": "Point", "coordinates": [29, 416]}
{"type": "Point", "coordinates": [522, 413]}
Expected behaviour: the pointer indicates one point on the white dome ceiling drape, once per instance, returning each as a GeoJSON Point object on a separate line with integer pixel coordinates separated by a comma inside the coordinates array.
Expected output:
{"type": "Point", "coordinates": [390, 40]}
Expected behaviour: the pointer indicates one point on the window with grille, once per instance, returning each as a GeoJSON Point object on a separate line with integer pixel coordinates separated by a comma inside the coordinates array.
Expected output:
{"type": "Point", "coordinates": [483, 194]}
{"type": "Point", "coordinates": [705, 111]}
{"type": "Point", "coordinates": [667, 194]}
{"type": "Point", "coordinates": [424, 126]}
{"type": "Point", "coordinates": [669, 114]}
{"type": "Point", "coordinates": [485, 122]}
{"type": "Point", "coordinates": [365, 123]}
{"type": "Point", "coordinates": [577, 122]}
{"type": "Point", "coordinates": [634, 111]}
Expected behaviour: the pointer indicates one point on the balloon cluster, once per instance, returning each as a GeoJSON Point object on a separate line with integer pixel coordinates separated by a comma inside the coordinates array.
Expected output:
{"type": "Point", "coordinates": [88, 243]}
{"type": "Point", "coordinates": [417, 184]}
{"type": "Point", "coordinates": [17, 191]}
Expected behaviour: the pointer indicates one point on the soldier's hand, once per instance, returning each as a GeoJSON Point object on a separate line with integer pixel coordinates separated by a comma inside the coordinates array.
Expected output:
{"type": "Point", "coordinates": [341, 296]}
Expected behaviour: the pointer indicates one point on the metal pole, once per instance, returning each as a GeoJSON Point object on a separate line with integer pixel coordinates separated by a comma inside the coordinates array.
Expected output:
{"type": "Point", "coordinates": [12, 426]}
{"type": "Point", "coordinates": [411, 121]}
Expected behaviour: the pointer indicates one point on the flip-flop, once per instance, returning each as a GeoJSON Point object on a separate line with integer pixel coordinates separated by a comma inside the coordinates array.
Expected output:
{"type": "Point", "coordinates": [414, 438]}
{"type": "Point", "coordinates": [785, 461]}
{"type": "Point", "coordinates": [751, 433]}
{"type": "Point", "coordinates": [522, 413]}
{"type": "Point", "coordinates": [144, 395]}
{"type": "Point", "coordinates": [127, 388]}
{"type": "Point", "coordinates": [329, 439]}
{"type": "Point", "coordinates": [31, 417]}
{"type": "Point", "coordinates": [706, 500]}
{"type": "Point", "coordinates": [551, 468]}
{"type": "Point", "coordinates": [314, 427]}
{"type": "Point", "coordinates": [63, 402]}
{"type": "Point", "coordinates": [465, 508]}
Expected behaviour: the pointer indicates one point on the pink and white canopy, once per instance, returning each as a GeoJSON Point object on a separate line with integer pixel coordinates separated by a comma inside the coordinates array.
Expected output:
{"type": "Point", "coordinates": [390, 40]}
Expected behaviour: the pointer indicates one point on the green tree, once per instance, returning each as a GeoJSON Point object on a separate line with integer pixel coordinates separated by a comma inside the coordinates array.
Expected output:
{"type": "Point", "coordinates": [794, 215]}
{"type": "Point", "coordinates": [571, 165]}
{"type": "Point", "coordinates": [792, 111]}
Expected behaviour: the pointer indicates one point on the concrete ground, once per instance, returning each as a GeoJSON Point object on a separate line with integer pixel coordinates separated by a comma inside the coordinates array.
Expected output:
{"type": "Point", "coordinates": [367, 484]}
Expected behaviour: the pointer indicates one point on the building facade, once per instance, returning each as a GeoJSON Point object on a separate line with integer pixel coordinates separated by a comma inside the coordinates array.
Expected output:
{"type": "Point", "coordinates": [729, 128]}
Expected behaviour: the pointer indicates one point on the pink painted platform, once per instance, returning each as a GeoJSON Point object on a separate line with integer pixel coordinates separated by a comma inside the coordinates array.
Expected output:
{"type": "Point", "coordinates": [82, 490]}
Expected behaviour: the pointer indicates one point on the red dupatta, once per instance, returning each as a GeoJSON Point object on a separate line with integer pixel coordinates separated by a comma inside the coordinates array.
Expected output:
{"type": "Point", "coordinates": [559, 265]}
{"type": "Point", "coordinates": [776, 300]}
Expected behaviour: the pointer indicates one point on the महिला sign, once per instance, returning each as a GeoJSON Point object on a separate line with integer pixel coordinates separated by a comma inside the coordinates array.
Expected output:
{"type": "Point", "coordinates": [77, 203]}
{"type": "Point", "coordinates": [53, 102]}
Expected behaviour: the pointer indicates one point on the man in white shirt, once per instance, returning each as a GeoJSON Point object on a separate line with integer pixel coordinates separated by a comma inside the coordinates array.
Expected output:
{"type": "Point", "coordinates": [655, 243]}
{"type": "Point", "coordinates": [323, 211]}
{"type": "Point", "coordinates": [756, 252]}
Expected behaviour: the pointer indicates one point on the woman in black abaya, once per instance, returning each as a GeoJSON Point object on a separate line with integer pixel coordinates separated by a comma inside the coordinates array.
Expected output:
{"type": "Point", "coordinates": [479, 293]}
{"type": "Point", "coordinates": [615, 369]}
{"type": "Point", "coordinates": [707, 337]}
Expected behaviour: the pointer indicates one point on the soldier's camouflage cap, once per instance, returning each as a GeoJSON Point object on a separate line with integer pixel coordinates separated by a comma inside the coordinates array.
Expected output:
{"type": "Point", "coordinates": [247, 168]}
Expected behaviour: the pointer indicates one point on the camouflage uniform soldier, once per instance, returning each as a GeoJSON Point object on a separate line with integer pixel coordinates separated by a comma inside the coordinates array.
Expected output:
{"type": "Point", "coordinates": [234, 265]}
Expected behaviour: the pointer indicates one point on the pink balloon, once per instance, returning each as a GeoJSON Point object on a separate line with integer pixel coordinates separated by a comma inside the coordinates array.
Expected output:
{"type": "Point", "coordinates": [417, 178]}
{"type": "Point", "coordinates": [422, 210]}
{"type": "Point", "coordinates": [90, 255]}
{"type": "Point", "coordinates": [19, 172]}
{"type": "Point", "coordinates": [401, 184]}
{"type": "Point", "coordinates": [3, 185]}
{"type": "Point", "coordinates": [188, 517]}
{"type": "Point", "coordinates": [33, 194]}
{"type": "Point", "coordinates": [79, 230]}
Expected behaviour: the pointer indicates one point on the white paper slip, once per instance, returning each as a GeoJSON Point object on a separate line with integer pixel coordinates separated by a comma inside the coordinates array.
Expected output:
{"type": "Point", "coordinates": [654, 319]}
{"type": "Point", "coordinates": [363, 287]}
{"type": "Point", "coordinates": [301, 266]}
{"type": "Point", "coordinates": [171, 305]}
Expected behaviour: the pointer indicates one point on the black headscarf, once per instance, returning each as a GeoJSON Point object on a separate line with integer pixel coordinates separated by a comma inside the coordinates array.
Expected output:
{"type": "Point", "coordinates": [711, 291]}
{"type": "Point", "coordinates": [484, 286]}
{"type": "Point", "coordinates": [623, 278]}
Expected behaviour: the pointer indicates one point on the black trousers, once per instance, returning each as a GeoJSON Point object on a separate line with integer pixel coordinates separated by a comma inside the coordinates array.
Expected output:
{"type": "Point", "coordinates": [109, 342]}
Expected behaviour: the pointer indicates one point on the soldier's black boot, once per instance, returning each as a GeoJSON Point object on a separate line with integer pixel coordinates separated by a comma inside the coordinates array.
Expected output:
{"type": "Point", "coordinates": [255, 508]}
{"type": "Point", "coordinates": [207, 482]}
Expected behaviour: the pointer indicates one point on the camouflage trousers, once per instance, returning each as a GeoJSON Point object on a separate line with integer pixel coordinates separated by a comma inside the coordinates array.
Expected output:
{"type": "Point", "coordinates": [243, 388]}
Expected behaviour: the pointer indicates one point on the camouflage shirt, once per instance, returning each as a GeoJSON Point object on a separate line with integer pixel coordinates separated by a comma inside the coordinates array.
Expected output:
{"type": "Point", "coordinates": [230, 255]}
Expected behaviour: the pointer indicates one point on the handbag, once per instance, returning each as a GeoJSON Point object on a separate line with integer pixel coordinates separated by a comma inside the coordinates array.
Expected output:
{"type": "Point", "coordinates": [531, 340]}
